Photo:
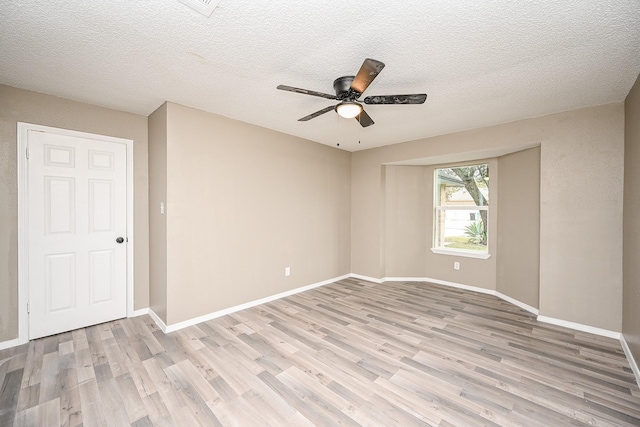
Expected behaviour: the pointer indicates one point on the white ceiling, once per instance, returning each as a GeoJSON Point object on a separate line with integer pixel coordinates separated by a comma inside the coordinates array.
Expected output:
{"type": "Point", "coordinates": [480, 62]}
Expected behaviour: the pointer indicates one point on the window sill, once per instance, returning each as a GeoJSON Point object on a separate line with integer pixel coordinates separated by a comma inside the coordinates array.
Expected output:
{"type": "Point", "coordinates": [460, 252]}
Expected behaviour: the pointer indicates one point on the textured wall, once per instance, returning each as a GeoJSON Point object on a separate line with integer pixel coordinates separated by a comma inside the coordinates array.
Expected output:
{"type": "Point", "coordinates": [158, 221]}
{"type": "Point", "coordinates": [407, 220]}
{"type": "Point", "coordinates": [18, 105]}
{"type": "Point", "coordinates": [581, 173]}
{"type": "Point", "coordinates": [631, 293]}
{"type": "Point", "coordinates": [408, 233]}
{"type": "Point", "coordinates": [243, 203]}
{"type": "Point", "coordinates": [581, 218]}
{"type": "Point", "coordinates": [518, 266]}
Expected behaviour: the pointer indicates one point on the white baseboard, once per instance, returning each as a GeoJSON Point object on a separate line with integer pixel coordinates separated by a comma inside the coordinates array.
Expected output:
{"type": "Point", "coordinates": [545, 319]}
{"type": "Point", "coordinates": [571, 325]}
{"type": "Point", "coordinates": [367, 278]}
{"type": "Point", "coordinates": [403, 279]}
{"type": "Point", "coordinates": [520, 304]}
{"type": "Point", "coordinates": [580, 327]}
{"type": "Point", "coordinates": [140, 312]}
{"type": "Point", "coordinates": [486, 291]}
{"type": "Point", "coordinates": [158, 320]}
{"type": "Point", "coordinates": [447, 283]}
{"type": "Point", "coordinates": [500, 295]}
{"type": "Point", "coordinates": [630, 358]}
{"type": "Point", "coordinates": [224, 312]}
{"type": "Point", "coordinates": [427, 279]}
{"type": "Point", "coordinates": [11, 343]}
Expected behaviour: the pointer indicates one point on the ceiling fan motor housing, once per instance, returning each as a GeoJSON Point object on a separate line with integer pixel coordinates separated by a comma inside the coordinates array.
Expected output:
{"type": "Point", "coordinates": [342, 86]}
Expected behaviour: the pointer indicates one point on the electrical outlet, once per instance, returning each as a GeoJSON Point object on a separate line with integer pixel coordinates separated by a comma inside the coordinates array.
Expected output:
{"type": "Point", "coordinates": [456, 265]}
{"type": "Point", "coordinates": [287, 271]}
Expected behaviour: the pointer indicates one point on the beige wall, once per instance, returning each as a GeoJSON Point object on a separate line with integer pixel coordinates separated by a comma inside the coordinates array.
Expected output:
{"type": "Point", "coordinates": [158, 221]}
{"type": "Point", "coordinates": [515, 214]}
{"type": "Point", "coordinates": [408, 231]}
{"type": "Point", "coordinates": [407, 194]}
{"type": "Point", "coordinates": [518, 266]}
{"type": "Point", "coordinates": [18, 105]}
{"type": "Point", "coordinates": [243, 203]}
{"type": "Point", "coordinates": [631, 266]}
{"type": "Point", "coordinates": [581, 218]}
{"type": "Point", "coordinates": [580, 240]}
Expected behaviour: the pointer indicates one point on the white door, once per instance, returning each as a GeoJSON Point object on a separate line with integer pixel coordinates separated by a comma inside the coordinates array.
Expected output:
{"type": "Point", "coordinates": [77, 232]}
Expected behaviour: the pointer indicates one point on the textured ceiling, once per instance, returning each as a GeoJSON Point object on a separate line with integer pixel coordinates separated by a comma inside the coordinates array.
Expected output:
{"type": "Point", "coordinates": [480, 62]}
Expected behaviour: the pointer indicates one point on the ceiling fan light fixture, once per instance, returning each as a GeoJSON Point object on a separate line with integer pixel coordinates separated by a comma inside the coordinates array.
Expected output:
{"type": "Point", "coordinates": [348, 90]}
{"type": "Point", "coordinates": [348, 109]}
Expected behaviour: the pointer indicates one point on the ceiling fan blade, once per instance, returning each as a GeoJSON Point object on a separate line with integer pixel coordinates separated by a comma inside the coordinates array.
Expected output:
{"type": "Point", "coordinates": [364, 119]}
{"type": "Point", "coordinates": [316, 114]}
{"type": "Point", "coordinates": [306, 92]}
{"type": "Point", "coordinates": [417, 98]}
{"type": "Point", "coordinates": [368, 71]}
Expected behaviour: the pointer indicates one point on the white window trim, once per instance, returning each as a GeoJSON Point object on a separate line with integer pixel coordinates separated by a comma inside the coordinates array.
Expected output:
{"type": "Point", "coordinates": [462, 208]}
{"type": "Point", "coordinates": [461, 252]}
{"type": "Point", "coordinates": [456, 252]}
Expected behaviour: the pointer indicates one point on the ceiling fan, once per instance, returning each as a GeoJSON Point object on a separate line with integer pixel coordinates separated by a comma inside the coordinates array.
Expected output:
{"type": "Point", "coordinates": [350, 88]}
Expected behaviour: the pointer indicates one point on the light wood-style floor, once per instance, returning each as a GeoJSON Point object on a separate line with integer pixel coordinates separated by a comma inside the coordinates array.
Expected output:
{"type": "Point", "coordinates": [350, 353]}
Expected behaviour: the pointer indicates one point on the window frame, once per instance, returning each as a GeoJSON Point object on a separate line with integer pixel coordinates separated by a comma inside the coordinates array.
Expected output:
{"type": "Point", "coordinates": [437, 207]}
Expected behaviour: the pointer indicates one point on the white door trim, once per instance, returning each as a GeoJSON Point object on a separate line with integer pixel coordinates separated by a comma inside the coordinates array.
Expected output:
{"type": "Point", "coordinates": [23, 218]}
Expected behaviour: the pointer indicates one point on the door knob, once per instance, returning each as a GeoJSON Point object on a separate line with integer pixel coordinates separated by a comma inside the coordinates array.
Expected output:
{"type": "Point", "coordinates": [120, 240]}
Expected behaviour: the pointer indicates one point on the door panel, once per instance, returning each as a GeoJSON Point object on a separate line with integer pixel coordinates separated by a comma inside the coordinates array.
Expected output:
{"type": "Point", "coordinates": [77, 209]}
{"type": "Point", "coordinates": [60, 280]}
{"type": "Point", "coordinates": [101, 205]}
{"type": "Point", "coordinates": [56, 155]}
{"type": "Point", "coordinates": [101, 275]}
{"type": "Point", "coordinates": [59, 205]}
{"type": "Point", "coordinates": [100, 160]}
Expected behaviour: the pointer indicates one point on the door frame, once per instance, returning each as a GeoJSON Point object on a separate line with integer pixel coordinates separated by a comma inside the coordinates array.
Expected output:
{"type": "Point", "coordinates": [23, 217]}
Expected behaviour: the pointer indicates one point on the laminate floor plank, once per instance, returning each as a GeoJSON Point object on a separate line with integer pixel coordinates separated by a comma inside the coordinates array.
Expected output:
{"type": "Point", "coordinates": [348, 353]}
{"type": "Point", "coordinates": [92, 409]}
{"type": "Point", "coordinates": [112, 403]}
{"type": "Point", "coordinates": [340, 374]}
{"type": "Point", "coordinates": [46, 414]}
{"type": "Point", "coordinates": [265, 352]}
{"type": "Point", "coordinates": [312, 405]}
{"type": "Point", "coordinates": [198, 360]}
{"type": "Point", "coordinates": [168, 396]}
{"type": "Point", "coordinates": [70, 403]}
{"type": "Point", "coordinates": [157, 411]}
{"type": "Point", "coordinates": [131, 399]}
{"type": "Point", "coordinates": [273, 410]}
{"type": "Point", "coordinates": [116, 362]}
{"type": "Point", "coordinates": [9, 393]}
{"type": "Point", "coordinates": [194, 403]}
{"type": "Point", "coordinates": [84, 367]}
{"type": "Point", "coordinates": [33, 364]}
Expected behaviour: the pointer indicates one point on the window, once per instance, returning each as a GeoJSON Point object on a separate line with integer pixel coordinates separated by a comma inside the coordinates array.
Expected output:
{"type": "Point", "coordinates": [461, 217]}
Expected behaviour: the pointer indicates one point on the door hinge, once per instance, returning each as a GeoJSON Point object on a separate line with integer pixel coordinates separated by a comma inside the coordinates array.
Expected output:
{"type": "Point", "coordinates": [28, 308]}
{"type": "Point", "coordinates": [27, 153]}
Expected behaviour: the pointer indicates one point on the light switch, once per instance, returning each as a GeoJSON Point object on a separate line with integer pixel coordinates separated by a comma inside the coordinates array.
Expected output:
{"type": "Point", "coordinates": [161, 208]}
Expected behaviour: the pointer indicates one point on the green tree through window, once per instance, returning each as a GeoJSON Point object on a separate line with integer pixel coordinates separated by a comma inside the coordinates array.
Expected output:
{"type": "Point", "coordinates": [462, 194]}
